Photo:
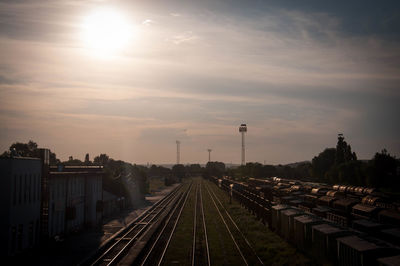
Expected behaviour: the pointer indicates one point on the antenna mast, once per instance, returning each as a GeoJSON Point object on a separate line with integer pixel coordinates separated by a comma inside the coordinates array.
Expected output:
{"type": "Point", "coordinates": [178, 151]}
{"type": "Point", "coordinates": [243, 130]}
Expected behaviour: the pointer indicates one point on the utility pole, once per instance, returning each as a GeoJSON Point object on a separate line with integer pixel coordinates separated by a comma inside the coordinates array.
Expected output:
{"type": "Point", "coordinates": [243, 130]}
{"type": "Point", "coordinates": [178, 151]}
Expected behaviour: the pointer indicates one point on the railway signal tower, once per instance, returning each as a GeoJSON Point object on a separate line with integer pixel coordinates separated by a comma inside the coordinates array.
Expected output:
{"type": "Point", "coordinates": [243, 130]}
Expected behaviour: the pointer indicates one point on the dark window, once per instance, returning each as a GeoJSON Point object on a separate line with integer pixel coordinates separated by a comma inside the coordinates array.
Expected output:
{"type": "Point", "coordinates": [37, 230]}
{"type": "Point", "coordinates": [34, 188]}
{"type": "Point", "coordinates": [38, 187]}
{"type": "Point", "coordinates": [25, 187]}
{"type": "Point", "coordinates": [30, 189]}
{"type": "Point", "coordinates": [30, 236]}
{"type": "Point", "coordinates": [20, 190]}
{"type": "Point", "coordinates": [15, 190]}
{"type": "Point", "coordinates": [13, 238]}
{"type": "Point", "coordinates": [19, 236]}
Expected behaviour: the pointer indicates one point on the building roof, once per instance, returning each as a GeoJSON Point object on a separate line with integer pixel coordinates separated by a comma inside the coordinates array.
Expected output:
{"type": "Point", "coordinates": [305, 219]}
{"type": "Point", "coordinates": [280, 207]}
{"type": "Point", "coordinates": [321, 209]}
{"type": "Point", "coordinates": [19, 158]}
{"type": "Point", "coordinates": [364, 208]}
{"type": "Point", "coordinates": [345, 202]}
{"type": "Point", "coordinates": [390, 213]}
{"type": "Point", "coordinates": [390, 261]}
{"type": "Point", "coordinates": [357, 243]}
{"type": "Point", "coordinates": [392, 231]}
{"type": "Point", "coordinates": [326, 198]}
{"type": "Point", "coordinates": [291, 212]}
{"type": "Point", "coordinates": [327, 229]}
{"type": "Point", "coordinates": [367, 223]}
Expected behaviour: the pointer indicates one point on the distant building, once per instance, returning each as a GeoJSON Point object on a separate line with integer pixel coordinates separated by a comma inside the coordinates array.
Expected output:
{"type": "Point", "coordinates": [75, 196]}
{"type": "Point", "coordinates": [20, 204]}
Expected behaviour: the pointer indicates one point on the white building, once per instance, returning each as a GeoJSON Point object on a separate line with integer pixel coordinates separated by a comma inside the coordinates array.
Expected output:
{"type": "Point", "coordinates": [20, 204]}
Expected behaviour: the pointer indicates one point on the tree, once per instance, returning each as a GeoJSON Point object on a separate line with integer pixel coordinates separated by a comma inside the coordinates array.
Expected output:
{"type": "Point", "coordinates": [87, 160]}
{"type": "Point", "coordinates": [216, 169]}
{"type": "Point", "coordinates": [102, 159]}
{"type": "Point", "coordinates": [322, 163]}
{"type": "Point", "coordinates": [29, 149]}
{"type": "Point", "coordinates": [179, 171]}
{"type": "Point", "coordinates": [343, 151]}
{"type": "Point", "coordinates": [383, 171]}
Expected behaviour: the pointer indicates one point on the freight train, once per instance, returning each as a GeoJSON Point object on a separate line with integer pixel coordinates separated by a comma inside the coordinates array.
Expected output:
{"type": "Point", "coordinates": [343, 225]}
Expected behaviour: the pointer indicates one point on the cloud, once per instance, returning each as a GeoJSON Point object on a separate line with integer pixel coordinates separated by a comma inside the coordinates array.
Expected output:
{"type": "Point", "coordinates": [185, 37]}
{"type": "Point", "coordinates": [147, 22]}
{"type": "Point", "coordinates": [293, 75]}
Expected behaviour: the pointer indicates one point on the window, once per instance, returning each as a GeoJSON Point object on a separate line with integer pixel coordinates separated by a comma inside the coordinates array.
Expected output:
{"type": "Point", "coordinates": [25, 187]}
{"type": "Point", "coordinates": [38, 187]}
{"type": "Point", "coordinates": [30, 236]}
{"type": "Point", "coordinates": [19, 236]}
{"type": "Point", "coordinates": [20, 190]}
{"type": "Point", "coordinates": [15, 190]}
{"type": "Point", "coordinates": [30, 188]}
{"type": "Point", "coordinates": [13, 238]}
{"type": "Point", "coordinates": [34, 188]}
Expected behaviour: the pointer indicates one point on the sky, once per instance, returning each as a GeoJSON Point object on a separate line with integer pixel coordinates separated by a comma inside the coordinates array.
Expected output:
{"type": "Point", "coordinates": [296, 72]}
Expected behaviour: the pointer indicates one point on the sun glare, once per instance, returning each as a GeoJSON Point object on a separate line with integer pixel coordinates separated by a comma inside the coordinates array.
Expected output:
{"type": "Point", "coordinates": [106, 31]}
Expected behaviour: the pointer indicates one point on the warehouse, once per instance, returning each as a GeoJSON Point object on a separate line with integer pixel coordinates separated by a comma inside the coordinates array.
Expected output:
{"type": "Point", "coordinates": [74, 199]}
{"type": "Point", "coordinates": [20, 204]}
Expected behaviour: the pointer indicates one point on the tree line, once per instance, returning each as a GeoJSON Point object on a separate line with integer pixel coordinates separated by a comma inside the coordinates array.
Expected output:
{"type": "Point", "coordinates": [338, 165]}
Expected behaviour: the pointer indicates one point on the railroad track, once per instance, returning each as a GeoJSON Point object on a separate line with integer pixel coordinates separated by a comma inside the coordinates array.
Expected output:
{"type": "Point", "coordinates": [119, 245]}
{"type": "Point", "coordinates": [156, 247]}
{"type": "Point", "coordinates": [244, 248]}
{"type": "Point", "coordinates": [200, 250]}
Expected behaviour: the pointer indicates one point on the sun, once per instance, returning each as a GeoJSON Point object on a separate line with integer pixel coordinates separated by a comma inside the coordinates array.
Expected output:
{"type": "Point", "coordinates": [106, 31]}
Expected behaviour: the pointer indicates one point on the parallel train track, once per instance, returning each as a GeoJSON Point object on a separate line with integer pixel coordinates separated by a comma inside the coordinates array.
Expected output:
{"type": "Point", "coordinates": [244, 248]}
{"type": "Point", "coordinates": [200, 249]}
{"type": "Point", "coordinates": [117, 247]}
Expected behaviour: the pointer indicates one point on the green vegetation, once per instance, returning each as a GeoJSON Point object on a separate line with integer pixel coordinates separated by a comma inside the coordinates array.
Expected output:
{"type": "Point", "coordinates": [337, 165]}
{"type": "Point", "coordinates": [180, 248]}
{"type": "Point", "coordinates": [222, 249]}
{"type": "Point", "coordinates": [269, 247]}
{"type": "Point", "coordinates": [156, 184]}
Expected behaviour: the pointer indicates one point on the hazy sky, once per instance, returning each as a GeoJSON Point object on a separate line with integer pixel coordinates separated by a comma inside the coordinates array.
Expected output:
{"type": "Point", "coordinates": [296, 72]}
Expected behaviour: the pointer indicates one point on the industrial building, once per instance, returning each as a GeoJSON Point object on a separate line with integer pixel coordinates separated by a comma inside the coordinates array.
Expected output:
{"type": "Point", "coordinates": [74, 196]}
{"type": "Point", "coordinates": [20, 204]}
{"type": "Point", "coordinates": [42, 202]}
